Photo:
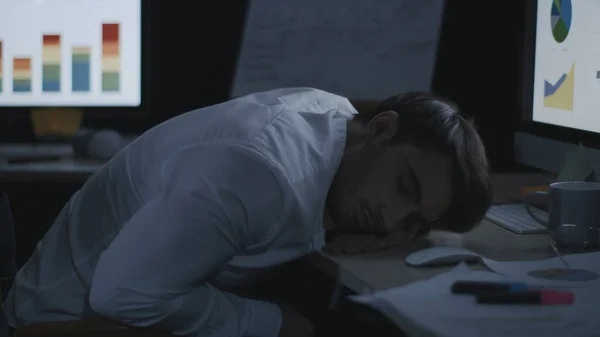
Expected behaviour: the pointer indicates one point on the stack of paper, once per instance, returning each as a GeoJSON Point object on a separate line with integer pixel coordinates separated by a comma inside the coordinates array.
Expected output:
{"type": "Point", "coordinates": [429, 308]}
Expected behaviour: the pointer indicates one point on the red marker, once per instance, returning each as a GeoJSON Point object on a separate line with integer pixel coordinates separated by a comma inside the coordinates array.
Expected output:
{"type": "Point", "coordinates": [539, 297]}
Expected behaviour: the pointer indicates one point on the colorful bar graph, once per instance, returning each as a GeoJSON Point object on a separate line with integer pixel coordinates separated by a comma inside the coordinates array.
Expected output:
{"type": "Point", "coordinates": [22, 74]}
{"type": "Point", "coordinates": [1, 62]}
{"type": "Point", "coordinates": [51, 63]}
{"type": "Point", "coordinates": [80, 69]}
{"type": "Point", "coordinates": [111, 61]}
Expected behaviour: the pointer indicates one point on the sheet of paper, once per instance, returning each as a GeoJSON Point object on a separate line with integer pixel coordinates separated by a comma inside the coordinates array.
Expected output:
{"type": "Point", "coordinates": [363, 50]}
{"type": "Point", "coordinates": [577, 166]}
{"type": "Point", "coordinates": [430, 305]}
{"type": "Point", "coordinates": [583, 270]}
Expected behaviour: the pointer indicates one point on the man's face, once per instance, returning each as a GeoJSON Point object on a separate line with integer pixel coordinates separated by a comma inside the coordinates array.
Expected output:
{"type": "Point", "coordinates": [390, 190]}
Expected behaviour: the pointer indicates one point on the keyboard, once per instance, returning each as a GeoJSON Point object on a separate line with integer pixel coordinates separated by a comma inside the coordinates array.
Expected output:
{"type": "Point", "coordinates": [514, 217]}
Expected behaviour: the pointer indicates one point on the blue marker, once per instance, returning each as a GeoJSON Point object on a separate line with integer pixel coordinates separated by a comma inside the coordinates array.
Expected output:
{"type": "Point", "coordinates": [473, 288]}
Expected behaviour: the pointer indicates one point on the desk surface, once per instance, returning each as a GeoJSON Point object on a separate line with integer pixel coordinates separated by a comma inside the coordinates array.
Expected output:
{"type": "Point", "coordinates": [387, 269]}
{"type": "Point", "coordinates": [378, 271]}
{"type": "Point", "coordinates": [371, 272]}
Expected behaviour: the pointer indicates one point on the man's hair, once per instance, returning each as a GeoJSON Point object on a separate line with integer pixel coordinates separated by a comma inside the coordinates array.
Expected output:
{"type": "Point", "coordinates": [431, 122]}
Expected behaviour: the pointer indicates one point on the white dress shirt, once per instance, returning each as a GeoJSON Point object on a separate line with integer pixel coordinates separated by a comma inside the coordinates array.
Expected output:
{"type": "Point", "coordinates": [153, 237]}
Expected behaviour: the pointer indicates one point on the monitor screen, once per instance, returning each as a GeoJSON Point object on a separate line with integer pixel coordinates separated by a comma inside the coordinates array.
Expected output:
{"type": "Point", "coordinates": [70, 53]}
{"type": "Point", "coordinates": [567, 64]}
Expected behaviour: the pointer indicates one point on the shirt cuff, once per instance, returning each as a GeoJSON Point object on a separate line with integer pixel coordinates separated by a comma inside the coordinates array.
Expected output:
{"type": "Point", "coordinates": [265, 319]}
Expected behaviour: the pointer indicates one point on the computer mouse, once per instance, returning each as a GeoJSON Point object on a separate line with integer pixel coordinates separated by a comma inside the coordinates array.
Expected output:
{"type": "Point", "coordinates": [441, 256]}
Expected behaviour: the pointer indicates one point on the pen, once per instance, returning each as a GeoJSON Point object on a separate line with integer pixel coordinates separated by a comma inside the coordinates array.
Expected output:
{"type": "Point", "coordinates": [540, 297]}
{"type": "Point", "coordinates": [473, 287]}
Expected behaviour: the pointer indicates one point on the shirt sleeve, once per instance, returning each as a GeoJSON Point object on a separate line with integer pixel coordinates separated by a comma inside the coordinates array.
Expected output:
{"type": "Point", "coordinates": [154, 273]}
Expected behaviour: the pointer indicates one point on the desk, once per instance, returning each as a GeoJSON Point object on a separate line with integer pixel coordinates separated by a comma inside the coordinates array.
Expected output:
{"type": "Point", "coordinates": [378, 271]}
{"type": "Point", "coordinates": [67, 169]}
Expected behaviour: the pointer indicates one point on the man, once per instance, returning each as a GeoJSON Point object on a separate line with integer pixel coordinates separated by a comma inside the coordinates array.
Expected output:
{"type": "Point", "coordinates": [174, 223]}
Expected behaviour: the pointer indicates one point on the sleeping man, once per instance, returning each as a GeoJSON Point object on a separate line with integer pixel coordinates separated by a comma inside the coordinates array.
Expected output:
{"type": "Point", "coordinates": [164, 229]}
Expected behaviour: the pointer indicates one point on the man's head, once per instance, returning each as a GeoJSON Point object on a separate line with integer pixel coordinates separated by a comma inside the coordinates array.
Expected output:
{"type": "Point", "coordinates": [411, 165]}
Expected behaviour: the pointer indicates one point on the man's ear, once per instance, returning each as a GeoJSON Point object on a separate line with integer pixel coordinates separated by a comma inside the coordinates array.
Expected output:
{"type": "Point", "coordinates": [382, 127]}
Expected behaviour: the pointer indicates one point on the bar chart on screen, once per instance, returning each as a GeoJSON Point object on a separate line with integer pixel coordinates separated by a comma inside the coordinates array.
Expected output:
{"type": "Point", "coordinates": [70, 53]}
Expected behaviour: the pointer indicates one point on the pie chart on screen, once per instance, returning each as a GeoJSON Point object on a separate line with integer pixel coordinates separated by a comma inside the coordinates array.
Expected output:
{"type": "Point", "coordinates": [561, 19]}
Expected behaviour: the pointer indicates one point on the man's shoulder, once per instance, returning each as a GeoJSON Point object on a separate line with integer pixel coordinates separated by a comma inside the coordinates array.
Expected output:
{"type": "Point", "coordinates": [289, 126]}
{"type": "Point", "coordinates": [294, 129]}
{"type": "Point", "coordinates": [307, 100]}
{"type": "Point", "coordinates": [246, 118]}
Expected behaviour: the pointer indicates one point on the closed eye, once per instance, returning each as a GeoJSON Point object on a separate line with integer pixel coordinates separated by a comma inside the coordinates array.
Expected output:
{"type": "Point", "coordinates": [416, 184]}
{"type": "Point", "coordinates": [410, 186]}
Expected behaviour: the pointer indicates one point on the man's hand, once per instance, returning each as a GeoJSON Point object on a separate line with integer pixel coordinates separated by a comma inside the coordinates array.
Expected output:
{"type": "Point", "coordinates": [293, 324]}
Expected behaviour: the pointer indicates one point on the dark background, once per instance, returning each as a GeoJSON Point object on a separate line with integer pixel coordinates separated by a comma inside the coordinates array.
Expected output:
{"type": "Point", "coordinates": [193, 49]}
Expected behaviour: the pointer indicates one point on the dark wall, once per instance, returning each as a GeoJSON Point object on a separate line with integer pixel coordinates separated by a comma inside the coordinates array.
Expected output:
{"type": "Point", "coordinates": [478, 63]}
{"type": "Point", "coordinates": [193, 53]}
{"type": "Point", "coordinates": [478, 66]}
{"type": "Point", "coordinates": [194, 49]}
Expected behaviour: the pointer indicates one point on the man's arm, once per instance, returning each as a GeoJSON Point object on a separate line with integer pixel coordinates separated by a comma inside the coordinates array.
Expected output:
{"type": "Point", "coordinates": [154, 272]}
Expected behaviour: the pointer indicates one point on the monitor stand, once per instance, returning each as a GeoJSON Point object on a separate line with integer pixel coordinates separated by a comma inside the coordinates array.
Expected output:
{"type": "Point", "coordinates": [55, 125]}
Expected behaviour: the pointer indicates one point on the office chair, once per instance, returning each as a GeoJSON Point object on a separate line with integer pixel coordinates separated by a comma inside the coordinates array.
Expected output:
{"type": "Point", "coordinates": [8, 268]}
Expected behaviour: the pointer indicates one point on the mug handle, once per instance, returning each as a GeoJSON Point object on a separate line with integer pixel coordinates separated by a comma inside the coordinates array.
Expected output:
{"type": "Point", "coordinates": [528, 206]}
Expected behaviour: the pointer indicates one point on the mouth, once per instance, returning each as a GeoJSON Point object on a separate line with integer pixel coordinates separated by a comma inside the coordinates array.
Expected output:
{"type": "Point", "coordinates": [357, 223]}
{"type": "Point", "coordinates": [416, 225]}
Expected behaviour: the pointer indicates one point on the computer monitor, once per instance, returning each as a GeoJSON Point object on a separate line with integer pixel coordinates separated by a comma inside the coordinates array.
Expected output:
{"type": "Point", "coordinates": [65, 53]}
{"type": "Point", "coordinates": [561, 83]}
